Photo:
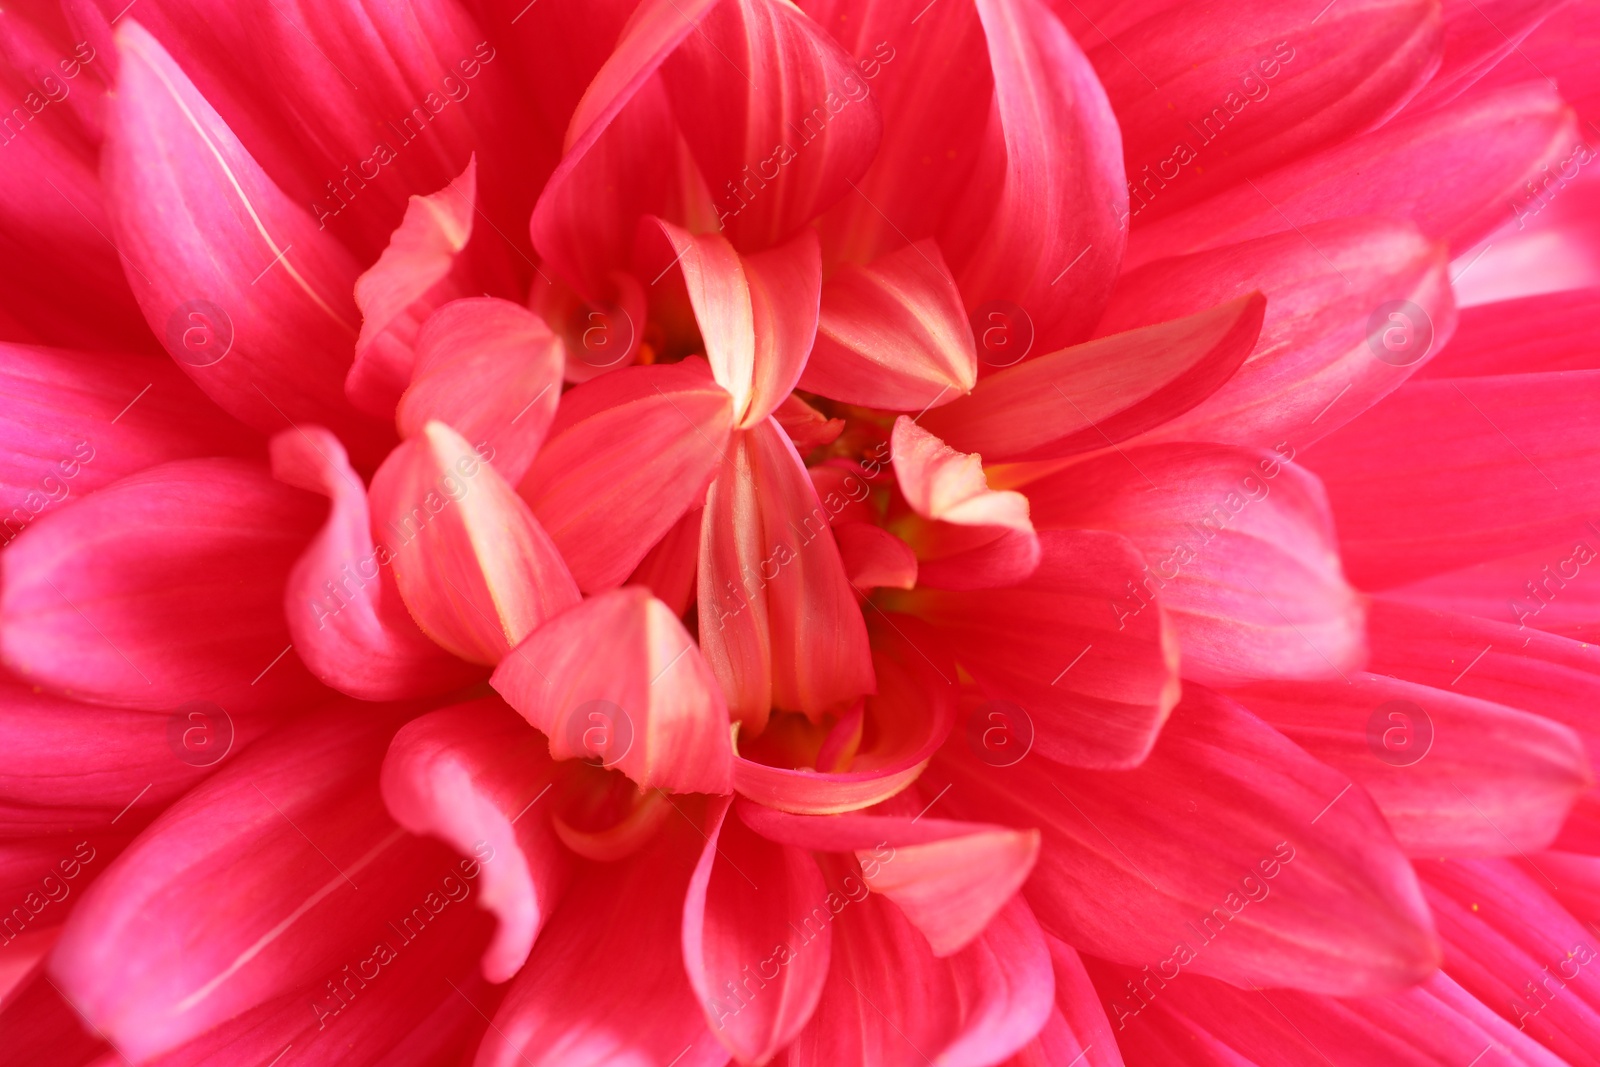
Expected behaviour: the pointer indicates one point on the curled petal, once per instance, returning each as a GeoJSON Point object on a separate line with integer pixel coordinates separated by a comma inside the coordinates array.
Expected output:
{"type": "Point", "coordinates": [873, 557]}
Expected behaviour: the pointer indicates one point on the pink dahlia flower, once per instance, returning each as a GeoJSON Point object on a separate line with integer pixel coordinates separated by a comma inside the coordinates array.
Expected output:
{"type": "Point", "coordinates": [662, 533]}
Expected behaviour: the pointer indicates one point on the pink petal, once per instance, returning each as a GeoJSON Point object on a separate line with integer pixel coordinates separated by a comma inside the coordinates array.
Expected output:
{"type": "Point", "coordinates": [1454, 775]}
{"type": "Point", "coordinates": [599, 990]}
{"type": "Point", "coordinates": [807, 427]}
{"type": "Point", "coordinates": [734, 632]}
{"type": "Point", "coordinates": [905, 722]}
{"type": "Point", "coordinates": [1128, 866]}
{"type": "Point", "coordinates": [343, 606]}
{"type": "Point", "coordinates": [42, 1030]}
{"type": "Point", "coordinates": [873, 557]}
{"type": "Point", "coordinates": [491, 371]}
{"type": "Point", "coordinates": [1534, 335]}
{"type": "Point", "coordinates": [627, 455]}
{"type": "Point", "coordinates": [163, 588]}
{"type": "Point", "coordinates": [745, 898]}
{"type": "Point", "coordinates": [473, 565]}
{"type": "Point", "coordinates": [468, 774]}
{"type": "Point", "coordinates": [1312, 369]}
{"type": "Point", "coordinates": [1479, 36]}
{"type": "Point", "coordinates": [1097, 681]}
{"type": "Point", "coordinates": [1451, 172]}
{"type": "Point", "coordinates": [239, 269]}
{"type": "Point", "coordinates": [948, 878]}
{"type": "Point", "coordinates": [1078, 1026]}
{"type": "Point", "coordinates": [1509, 439]}
{"type": "Point", "coordinates": [893, 334]}
{"type": "Point", "coordinates": [890, 1002]}
{"type": "Point", "coordinates": [1271, 81]}
{"type": "Point", "coordinates": [81, 420]}
{"type": "Point", "coordinates": [668, 569]}
{"type": "Point", "coordinates": [1081, 398]}
{"type": "Point", "coordinates": [1530, 590]}
{"type": "Point", "coordinates": [194, 926]}
{"type": "Point", "coordinates": [622, 655]}
{"type": "Point", "coordinates": [416, 273]}
{"type": "Point", "coordinates": [1240, 549]}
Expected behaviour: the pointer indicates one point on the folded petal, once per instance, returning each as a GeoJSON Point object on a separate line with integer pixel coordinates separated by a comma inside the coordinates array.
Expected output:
{"type": "Point", "coordinates": [1078, 1027]}
{"type": "Point", "coordinates": [893, 334]}
{"type": "Point", "coordinates": [163, 588]}
{"type": "Point", "coordinates": [473, 565]}
{"type": "Point", "coordinates": [1095, 678]}
{"type": "Point", "coordinates": [491, 371]}
{"type": "Point", "coordinates": [249, 296]}
{"type": "Point", "coordinates": [1453, 775]}
{"type": "Point", "coordinates": [1280, 873]}
{"type": "Point", "coordinates": [618, 680]}
{"type": "Point", "coordinates": [733, 927]}
{"type": "Point", "coordinates": [1312, 369]}
{"type": "Point", "coordinates": [1082, 398]}
{"type": "Point", "coordinates": [628, 454]}
{"type": "Point", "coordinates": [874, 557]}
{"type": "Point", "coordinates": [342, 603]}
{"type": "Point", "coordinates": [890, 1002]}
{"type": "Point", "coordinates": [470, 774]}
{"type": "Point", "coordinates": [1504, 467]}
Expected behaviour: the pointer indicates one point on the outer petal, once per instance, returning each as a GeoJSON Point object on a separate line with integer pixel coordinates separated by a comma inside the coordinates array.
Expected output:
{"type": "Point", "coordinates": [163, 588]}
{"type": "Point", "coordinates": [875, 557]}
{"type": "Point", "coordinates": [1530, 590]}
{"type": "Point", "coordinates": [1313, 367]}
{"type": "Point", "coordinates": [1477, 39]}
{"type": "Point", "coordinates": [1082, 398]}
{"type": "Point", "coordinates": [470, 774]}
{"type": "Point", "coordinates": [79, 420]}
{"type": "Point", "coordinates": [1533, 335]}
{"type": "Point", "coordinates": [1097, 681]}
{"type": "Point", "coordinates": [1241, 554]}
{"type": "Point", "coordinates": [893, 334]}
{"type": "Point", "coordinates": [628, 454]}
{"type": "Point", "coordinates": [890, 1002]}
{"type": "Point", "coordinates": [1463, 778]}
{"type": "Point", "coordinates": [341, 601]}
{"type": "Point", "coordinates": [491, 371]}
{"type": "Point", "coordinates": [1281, 872]}
{"type": "Point", "coordinates": [622, 655]}
{"type": "Point", "coordinates": [1078, 1027]}
{"type": "Point", "coordinates": [223, 261]}
{"type": "Point", "coordinates": [472, 563]}
{"type": "Point", "coordinates": [1521, 441]}
{"type": "Point", "coordinates": [733, 927]}
{"type": "Point", "coordinates": [245, 892]}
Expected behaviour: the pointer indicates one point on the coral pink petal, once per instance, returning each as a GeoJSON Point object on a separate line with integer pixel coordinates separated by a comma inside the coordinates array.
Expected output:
{"type": "Point", "coordinates": [1078, 399]}
{"type": "Point", "coordinates": [890, 1002]}
{"type": "Point", "coordinates": [349, 625]}
{"type": "Point", "coordinates": [162, 588]}
{"type": "Point", "coordinates": [948, 878]}
{"type": "Point", "coordinates": [415, 274]}
{"type": "Point", "coordinates": [1078, 1031]}
{"type": "Point", "coordinates": [472, 775]}
{"type": "Point", "coordinates": [491, 371]}
{"type": "Point", "coordinates": [1454, 775]}
{"type": "Point", "coordinates": [1313, 367]}
{"type": "Point", "coordinates": [807, 427]}
{"type": "Point", "coordinates": [893, 334]}
{"type": "Point", "coordinates": [1501, 928]}
{"type": "Point", "coordinates": [1534, 335]}
{"type": "Point", "coordinates": [1046, 197]}
{"type": "Point", "coordinates": [265, 912]}
{"type": "Point", "coordinates": [249, 296]}
{"type": "Point", "coordinates": [1096, 683]}
{"type": "Point", "coordinates": [79, 420]}
{"type": "Point", "coordinates": [904, 723]}
{"type": "Point", "coordinates": [734, 633]}
{"type": "Point", "coordinates": [1241, 553]}
{"type": "Point", "coordinates": [1451, 172]}
{"type": "Point", "coordinates": [1127, 864]}
{"type": "Point", "coordinates": [1504, 438]}
{"type": "Point", "coordinates": [1530, 590]}
{"type": "Point", "coordinates": [875, 558]}
{"type": "Point", "coordinates": [745, 900]}
{"type": "Point", "coordinates": [1268, 80]}
{"type": "Point", "coordinates": [606, 982]}
{"type": "Point", "coordinates": [668, 569]}
{"type": "Point", "coordinates": [1477, 38]}
{"type": "Point", "coordinates": [627, 455]}
{"type": "Point", "coordinates": [618, 680]}
{"type": "Point", "coordinates": [473, 565]}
